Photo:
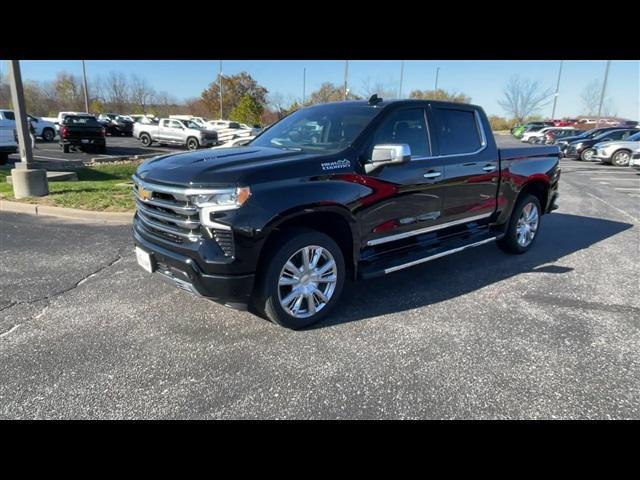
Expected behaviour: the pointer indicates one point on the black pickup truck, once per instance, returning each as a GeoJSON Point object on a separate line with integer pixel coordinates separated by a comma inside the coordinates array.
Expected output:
{"type": "Point", "coordinates": [334, 191]}
{"type": "Point", "coordinates": [84, 132]}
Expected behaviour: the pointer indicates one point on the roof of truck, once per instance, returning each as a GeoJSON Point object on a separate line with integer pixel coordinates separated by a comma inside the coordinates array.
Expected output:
{"type": "Point", "coordinates": [385, 103]}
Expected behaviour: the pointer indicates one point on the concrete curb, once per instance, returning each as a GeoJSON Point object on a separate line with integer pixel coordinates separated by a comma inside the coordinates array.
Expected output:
{"type": "Point", "coordinates": [116, 158]}
{"type": "Point", "coordinates": [116, 218]}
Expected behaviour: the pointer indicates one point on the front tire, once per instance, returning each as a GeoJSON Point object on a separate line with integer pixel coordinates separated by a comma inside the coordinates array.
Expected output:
{"type": "Point", "coordinates": [587, 154]}
{"type": "Point", "coordinates": [145, 139]}
{"type": "Point", "coordinates": [192, 143]}
{"type": "Point", "coordinates": [523, 227]}
{"type": "Point", "coordinates": [303, 280]}
{"type": "Point", "coordinates": [621, 158]}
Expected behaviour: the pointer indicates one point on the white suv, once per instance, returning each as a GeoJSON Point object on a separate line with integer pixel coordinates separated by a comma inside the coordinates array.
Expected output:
{"type": "Point", "coordinates": [43, 128]}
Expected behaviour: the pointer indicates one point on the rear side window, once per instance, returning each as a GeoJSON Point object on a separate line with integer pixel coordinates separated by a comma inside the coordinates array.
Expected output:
{"type": "Point", "coordinates": [405, 126]}
{"type": "Point", "coordinates": [9, 115]}
{"type": "Point", "coordinates": [458, 131]}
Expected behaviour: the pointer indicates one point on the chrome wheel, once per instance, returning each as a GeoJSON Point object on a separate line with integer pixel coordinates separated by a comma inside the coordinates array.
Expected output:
{"type": "Point", "coordinates": [527, 224]}
{"type": "Point", "coordinates": [307, 281]}
{"type": "Point", "coordinates": [587, 154]}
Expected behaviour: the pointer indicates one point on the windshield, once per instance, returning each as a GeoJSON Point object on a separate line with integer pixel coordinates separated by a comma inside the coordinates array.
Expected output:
{"type": "Point", "coordinates": [329, 128]}
{"type": "Point", "coordinates": [88, 121]}
{"type": "Point", "coordinates": [190, 124]}
{"type": "Point", "coordinates": [634, 138]}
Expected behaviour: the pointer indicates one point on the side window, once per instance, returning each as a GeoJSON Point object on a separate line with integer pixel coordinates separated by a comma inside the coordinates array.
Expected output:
{"type": "Point", "coordinates": [626, 134]}
{"type": "Point", "coordinates": [404, 126]}
{"type": "Point", "coordinates": [175, 124]}
{"type": "Point", "coordinates": [458, 131]}
{"type": "Point", "coordinates": [165, 123]}
{"type": "Point", "coordinates": [9, 115]}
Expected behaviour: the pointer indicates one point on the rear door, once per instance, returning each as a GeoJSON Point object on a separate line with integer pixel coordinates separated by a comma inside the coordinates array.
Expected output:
{"type": "Point", "coordinates": [471, 169]}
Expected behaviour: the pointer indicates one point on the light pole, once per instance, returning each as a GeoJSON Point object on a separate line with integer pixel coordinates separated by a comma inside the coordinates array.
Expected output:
{"type": "Point", "coordinates": [86, 91]}
{"type": "Point", "coordinates": [346, 77]}
{"type": "Point", "coordinates": [555, 100]}
{"type": "Point", "coordinates": [220, 80]}
{"type": "Point", "coordinates": [435, 90]}
{"type": "Point", "coordinates": [304, 84]}
{"type": "Point", "coordinates": [604, 88]}
{"type": "Point", "coordinates": [27, 181]}
{"type": "Point", "coordinates": [401, 75]}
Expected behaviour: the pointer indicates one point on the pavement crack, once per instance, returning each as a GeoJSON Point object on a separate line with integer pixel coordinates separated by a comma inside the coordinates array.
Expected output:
{"type": "Point", "coordinates": [47, 298]}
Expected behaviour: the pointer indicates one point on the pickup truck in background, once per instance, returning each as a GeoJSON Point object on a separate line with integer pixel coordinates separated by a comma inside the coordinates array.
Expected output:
{"type": "Point", "coordinates": [8, 140]}
{"type": "Point", "coordinates": [353, 189]}
{"type": "Point", "coordinates": [43, 128]}
{"type": "Point", "coordinates": [175, 132]}
{"type": "Point", "coordinates": [83, 132]}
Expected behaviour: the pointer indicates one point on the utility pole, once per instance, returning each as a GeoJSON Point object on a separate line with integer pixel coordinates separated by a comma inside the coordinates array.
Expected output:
{"type": "Point", "coordinates": [604, 88]}
{"type": "Point", "coordinates": [304, 84]}
{"type": "Point", "coordinates": [27, 181]}
{"type": "Point", "coordinates": [401, 75]}
{"type": "Point", "coordinates": [555, 100]}
{"type": "Point", "coordinates": [86, 91]}
{"type": "Point", "coordinates": [435, 90]}
{"type": "Point", "coordinates": [346, 77]}
{"type": "Point", "coordinates": [220, 80]}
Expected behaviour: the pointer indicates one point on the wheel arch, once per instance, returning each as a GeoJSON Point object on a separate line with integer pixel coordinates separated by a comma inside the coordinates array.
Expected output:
{"type": "Point", "coordinates": [334, 221]}
{"type": "Point", "coordinates": [538, 188]}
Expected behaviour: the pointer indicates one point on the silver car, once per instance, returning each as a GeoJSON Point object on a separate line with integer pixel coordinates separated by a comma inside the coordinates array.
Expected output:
{"type": "Point", "coordinates": [617, 152]}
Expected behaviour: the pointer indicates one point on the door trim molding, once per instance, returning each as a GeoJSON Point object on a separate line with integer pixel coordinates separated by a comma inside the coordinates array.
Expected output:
{"type": "Point", "coordinates": [432, 228]}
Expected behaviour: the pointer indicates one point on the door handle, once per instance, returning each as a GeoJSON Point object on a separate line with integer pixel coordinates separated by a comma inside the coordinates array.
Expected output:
{"type": "Point", "coordinates": [490, 168]}
{"type": "Point", "coordinates": [432, 174]}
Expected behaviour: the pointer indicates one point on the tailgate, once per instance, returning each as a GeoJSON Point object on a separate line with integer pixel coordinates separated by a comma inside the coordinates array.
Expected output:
{"type": "Point", "coordinates": [84, 132]}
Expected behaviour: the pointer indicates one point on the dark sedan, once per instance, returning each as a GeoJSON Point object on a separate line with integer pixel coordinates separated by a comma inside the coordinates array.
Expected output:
{"type": "Point", "coordinates": [116, 124]}
{"type": "Point", "coordinates": [582, 149]}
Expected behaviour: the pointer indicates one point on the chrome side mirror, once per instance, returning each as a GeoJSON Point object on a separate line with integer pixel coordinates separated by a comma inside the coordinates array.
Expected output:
{"type": "Point", "coordinates": [388, 154]}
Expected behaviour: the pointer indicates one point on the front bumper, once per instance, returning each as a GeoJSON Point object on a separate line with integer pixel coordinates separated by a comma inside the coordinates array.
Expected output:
{"type": "Point", "coordinates": [635, 160]}
{"type": "Point", "coordinates": [602, 155]}
{"type": "Point", "coordinates": [183, 272]}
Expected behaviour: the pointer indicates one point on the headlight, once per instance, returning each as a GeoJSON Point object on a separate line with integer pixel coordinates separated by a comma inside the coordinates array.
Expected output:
{"type": "Point", "coordinates": [220, 201]}
{"type": "Point", "coordinates": [223, 199]}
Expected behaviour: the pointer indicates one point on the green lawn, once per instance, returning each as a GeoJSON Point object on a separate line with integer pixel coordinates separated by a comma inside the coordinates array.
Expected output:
{"type": "Point", "coordinates": [98, 188]}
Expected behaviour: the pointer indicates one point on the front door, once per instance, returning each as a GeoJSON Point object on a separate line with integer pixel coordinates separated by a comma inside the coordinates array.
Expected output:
{"type": "Point", "coordinates": [408, 195]}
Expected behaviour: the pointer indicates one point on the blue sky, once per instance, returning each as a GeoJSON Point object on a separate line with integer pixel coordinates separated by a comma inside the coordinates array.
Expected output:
{"type": "Point", "coordinates": [482, 80]}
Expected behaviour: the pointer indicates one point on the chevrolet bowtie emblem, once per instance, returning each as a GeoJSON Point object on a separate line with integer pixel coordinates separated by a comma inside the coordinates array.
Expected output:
{"type": "Point", "coordinates": [144, 194]}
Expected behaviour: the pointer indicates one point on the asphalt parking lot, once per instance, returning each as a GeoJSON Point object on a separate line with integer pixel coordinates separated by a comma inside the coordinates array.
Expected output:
{"type": "Point", "coordinates": [116, 146]}
{"type": "Point", "coordinates": [554, 333]}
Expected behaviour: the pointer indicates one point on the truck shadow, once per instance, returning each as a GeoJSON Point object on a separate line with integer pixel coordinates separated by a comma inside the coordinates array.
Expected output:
{"type": "Point", "coordinates": [458, 274]}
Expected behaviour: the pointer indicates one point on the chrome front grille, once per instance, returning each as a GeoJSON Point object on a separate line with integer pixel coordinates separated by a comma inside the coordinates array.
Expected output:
{"type": "Point", "coordinates": [166, 212]}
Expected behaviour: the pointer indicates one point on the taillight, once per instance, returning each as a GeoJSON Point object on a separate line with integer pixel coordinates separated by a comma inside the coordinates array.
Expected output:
{"type": "Point", "coordinates": [64, 131]}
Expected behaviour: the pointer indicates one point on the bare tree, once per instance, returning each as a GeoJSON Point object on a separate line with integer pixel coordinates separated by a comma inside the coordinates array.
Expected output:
{"type": "Point", "coordinates": [590, 98]}
{"type": "Point", "coordinates": [522, 98]}
{"type": "Point", "coordinates": [141, 94]}
{"type": "Point", "coordinates": [116, 91]}
{"type": "Point", "coordinates": [383, 90]}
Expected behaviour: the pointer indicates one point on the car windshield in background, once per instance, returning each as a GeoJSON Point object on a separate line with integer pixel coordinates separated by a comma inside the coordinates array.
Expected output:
{"type": "Point", "coordinates": [190, 124]}
{"type": "Point", "coordinates": [328, 128]}
{"type": "Point", "coordinates": [87, 121]}
{"type": "Point", "coordinates": [633, 138]}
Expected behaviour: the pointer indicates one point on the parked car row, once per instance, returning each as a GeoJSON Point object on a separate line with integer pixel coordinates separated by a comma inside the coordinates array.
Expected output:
{"type": "Point", "coordinates": [582, 124]}
{"type": "Point", "coordinates": [607, 145]}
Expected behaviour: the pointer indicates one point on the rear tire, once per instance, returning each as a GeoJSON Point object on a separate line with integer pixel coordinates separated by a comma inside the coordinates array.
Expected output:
{"type": "Point", "coordinates": [65, 148]}
{"type": "Point", "coordinates": [48, 134]}
{"type": "Point", "coordinates": [524, 224]}
{"type": "Point", "coordinates": [621, 158]}
{"type": "Point", "coordinates": [287, 292]}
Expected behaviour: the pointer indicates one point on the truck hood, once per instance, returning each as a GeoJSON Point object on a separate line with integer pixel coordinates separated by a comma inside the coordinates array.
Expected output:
{"type": "Point", "coordinates": [224, 166]}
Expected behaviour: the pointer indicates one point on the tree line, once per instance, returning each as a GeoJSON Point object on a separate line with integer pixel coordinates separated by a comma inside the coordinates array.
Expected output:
{"type": "Point", "coordinates": [246, 101]}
